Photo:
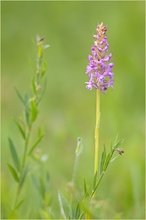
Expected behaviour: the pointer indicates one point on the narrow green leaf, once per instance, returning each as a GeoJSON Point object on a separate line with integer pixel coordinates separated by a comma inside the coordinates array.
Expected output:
{"type": "Point", "coordinates": [64, 205]}
{"type": "Point", "coordinates": [33, 85]}
{"type": "Point", "coordinates": [43, 73]}
{"type": "Point", "coordinates": [116, 139]}
{"type": "Point", "coordinates": [103, 157]}
{"type": "Point", "coordinates": [40, 186]}
{"type": "Point", "coordinates": [42, 93]}
{"type": "Point", "coordinates": [23, 176]}
{"type": "Point", "coordinates": [44, 69]}
{"type": "Point", "coordinates": [14, 154]}
{"type": "Point", "coordinates": [19, 96]}
{"type": "Point", "coordinates": [114, 158]}
{"type": "Point", "coordinates": [19, 204]}
{"type": "Point", "coordinates": [86, 193]}
{"type": "Point", "coordinates": [35, 145]}
{"type": "Point", "coordinates": [27, 117]}
{"type": "Point", "coordinates": [78, 211]}
{"type": "Point", "coordinates": [20, 129]}
{"type": "Point", "coordinates": [108, 158]}
{"type": "Point", "coordinates": [81, 215]}
{"type": "Point", "coordinates": [45, 65]}
{"type": "Point", "coordinates": [118, 144]}
{"type": "Point", "coordinates": [14, 173]}
{"type": "Point", "coordinates": [61, 206]}
{"type": "Point", "coordinates": [98, 182]}
{"type": "Point", "coordinates": [26, 100]}
{"type": "Point", "coordinates": [40, 50]}
{"type": "Point", "coordinates": [33, 110]}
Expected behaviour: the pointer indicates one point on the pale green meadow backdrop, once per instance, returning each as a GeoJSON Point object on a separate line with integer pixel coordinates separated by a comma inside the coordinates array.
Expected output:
{"type": "Point", "coordinates": [68, 108]}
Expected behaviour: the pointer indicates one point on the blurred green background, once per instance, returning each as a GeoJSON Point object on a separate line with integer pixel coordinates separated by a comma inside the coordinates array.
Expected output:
{"type": "Point", "coordinates": [68, 109]}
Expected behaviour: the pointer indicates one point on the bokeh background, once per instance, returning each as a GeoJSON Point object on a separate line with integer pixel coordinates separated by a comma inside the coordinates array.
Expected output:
{"type": "Point", "coordinates": [68, 109]}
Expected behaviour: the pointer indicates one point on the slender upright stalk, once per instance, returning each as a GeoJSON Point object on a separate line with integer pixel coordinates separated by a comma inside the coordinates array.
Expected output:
{"type": "Point", "coordinates": [21, 170]}
{"type": "Point", "coordinates": [25, 149]}
{"type": "Point", "coordinates": [97, 126]}
{"type": "Point", "coordinates": [100, 75]}
{"type": "Point", "coordinates": [31, 112]}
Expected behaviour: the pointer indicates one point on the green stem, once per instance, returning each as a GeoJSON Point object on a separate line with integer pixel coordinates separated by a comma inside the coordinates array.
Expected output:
{"type": "Point", "coordinates": [75, 169]}
{"type": "Point", "coordinates": [97, 126]}
{"type": "Point", "coordinates": [22, 168]}
{"type": "Point", "coordinates": [16, 198]}
{"type": "Point", "coordinates": [97, 184]}
{"type": "Point", "coordinates": [25, 149]}
{"type": "Point", "coordinates": [101, 176]}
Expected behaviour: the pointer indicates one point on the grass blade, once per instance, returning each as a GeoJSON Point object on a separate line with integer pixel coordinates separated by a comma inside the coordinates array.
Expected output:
{"type": "Point", "coordinates": [14, 154]}
{"type": "Point", "coordinates": [35, 145]}
{"type": "Point", "coordinates": [107, 161]}
{"type": "Point", "coordinates": [103, 158]}
{"type": "Point", "coordinates": [33, 86]}
{"type": "Point", "coordinates": [78, 211]}
{"type": "Point", "coordinates": [85, 189]}
{"type": "Point", "coordinates": [14, 173]}
{"type": "Point", "coordinates": [20, 97]}
{"type": "Point", "coordinates": [44, 69]}
{"type": "Point", "coordinates": [118, 144]}
{"type": "Point", "coordinates": [33, 110]}
{"type": "Point", "coordinates": [19, 204]}
{"type": "Point", "coordinates": [61, 206]}
{"type": "Point", "coordinates": [23, 176]}
{"type": "Point", "coordinates": [21, 130]}
{"type": "Point", "coordinates": [42, 93]}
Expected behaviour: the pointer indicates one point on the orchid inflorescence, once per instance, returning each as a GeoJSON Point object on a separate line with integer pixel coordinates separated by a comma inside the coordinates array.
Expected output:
{"type": "Point", "coordinates": [99, 69]}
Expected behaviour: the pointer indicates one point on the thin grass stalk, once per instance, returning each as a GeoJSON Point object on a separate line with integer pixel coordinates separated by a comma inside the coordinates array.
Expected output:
{"type": "Point", "coordinates": [97, 126]}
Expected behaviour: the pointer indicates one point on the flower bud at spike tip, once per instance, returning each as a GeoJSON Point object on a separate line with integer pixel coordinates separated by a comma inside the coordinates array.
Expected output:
{"type": "Point", "coordinates": [40, 46]}
{"type": "Point", "coordinates": [79, 146]}
{"type": "Point", "coordinates": [40, 51]}
{"type": "Point", "coordinates": [99, 69]}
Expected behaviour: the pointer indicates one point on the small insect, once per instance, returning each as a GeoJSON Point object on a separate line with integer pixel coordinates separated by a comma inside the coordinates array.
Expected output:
{"type": "Point", "coordinates": [41, 39]}
{"type": "Point", "coordinates": [120, 151]}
